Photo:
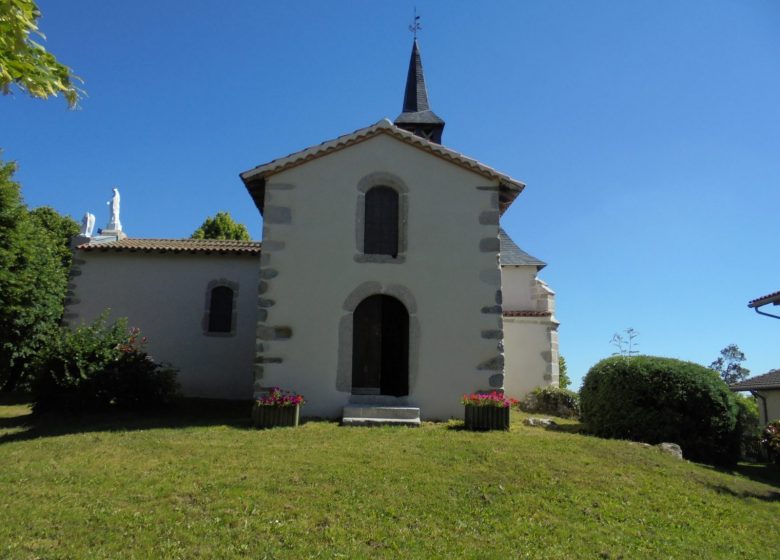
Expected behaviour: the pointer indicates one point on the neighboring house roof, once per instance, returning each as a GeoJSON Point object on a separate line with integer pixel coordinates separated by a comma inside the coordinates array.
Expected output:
{"type": "Point", "coordinates": [770, 380]}
{"type": "Point", "coordinates": [512, 255]}
{"type": "Point", "coordinates": [764, 300]}
{"type": "Point", "coordinates": [254, 179]}
{"type": "Point", "coordinates": [174, 246]}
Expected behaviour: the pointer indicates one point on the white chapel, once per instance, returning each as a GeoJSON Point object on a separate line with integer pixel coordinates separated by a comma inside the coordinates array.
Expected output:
{"type": "Point", "coordinates": [383, 280]}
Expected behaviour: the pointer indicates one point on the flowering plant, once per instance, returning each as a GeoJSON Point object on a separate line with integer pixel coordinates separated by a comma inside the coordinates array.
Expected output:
{"type": "Point", "coordinates": [494, 399]}
{"type": "Point", "coordinates": [134, 342]}
{"type": "Point", "coordinates": [279, 397]}
{"type": "Point", "coordinates": [771, 440]}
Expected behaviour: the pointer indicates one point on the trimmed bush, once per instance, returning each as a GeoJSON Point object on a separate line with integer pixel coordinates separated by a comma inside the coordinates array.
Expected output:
{"type": "Point", "coordinates": [98, 367]}
{"type": "Point", "coordinates": [552, 400]}
{"type": "Point", "coordinates": [654, 400]}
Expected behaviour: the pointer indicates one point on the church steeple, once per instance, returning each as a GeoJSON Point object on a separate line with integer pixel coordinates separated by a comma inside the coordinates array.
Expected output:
{"type": "Point", "coordinates": [417, 116]}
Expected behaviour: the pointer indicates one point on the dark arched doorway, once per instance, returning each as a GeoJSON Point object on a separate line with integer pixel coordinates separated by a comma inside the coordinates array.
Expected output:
{"type": "Point", "coordinates": [380, 347]}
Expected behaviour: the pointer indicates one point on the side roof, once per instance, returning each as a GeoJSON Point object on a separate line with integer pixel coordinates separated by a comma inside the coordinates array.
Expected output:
{"type": "Point", "coordinates": [254, 179]}
{"type": "Point", "coordinates": [132, 244]}
{"type": "Point", "coordinates": [763, 300]}
{"type": "Point", "coordinates": [770, 380]}
{"type": "Point", "coordinates": [512, 255]}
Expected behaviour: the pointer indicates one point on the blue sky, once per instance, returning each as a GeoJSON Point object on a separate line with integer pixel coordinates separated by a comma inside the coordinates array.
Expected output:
{"type": "Point", "coordinates": [648, 134]}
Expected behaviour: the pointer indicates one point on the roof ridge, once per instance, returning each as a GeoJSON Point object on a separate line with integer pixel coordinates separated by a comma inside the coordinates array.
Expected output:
{"type": "Point", "coordinates": [511, 187]}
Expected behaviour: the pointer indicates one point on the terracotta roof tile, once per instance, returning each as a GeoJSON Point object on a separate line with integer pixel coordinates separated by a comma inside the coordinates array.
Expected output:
{"type": "Point", "coordinates": [527, 313]}
{"type": "Point", "coordinates": [763, 300]}
{"type": "Point", "coordinates": [770, 380]}
{"type": "Point", "coordinates": [175, 246]}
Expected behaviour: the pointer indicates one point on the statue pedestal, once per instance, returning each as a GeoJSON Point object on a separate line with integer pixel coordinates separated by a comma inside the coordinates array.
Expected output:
{"type": "Point", "coordinates": [118, 233]}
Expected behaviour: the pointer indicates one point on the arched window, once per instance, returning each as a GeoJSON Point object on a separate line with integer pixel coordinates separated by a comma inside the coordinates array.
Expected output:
{"type": "Point", "coordinates": [221, 310]}
{"type": "Point", "coordinates": [381, 222]}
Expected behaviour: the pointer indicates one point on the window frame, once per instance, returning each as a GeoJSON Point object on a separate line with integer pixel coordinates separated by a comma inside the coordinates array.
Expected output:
{"type": "Point", "coordinates": [392, 182]}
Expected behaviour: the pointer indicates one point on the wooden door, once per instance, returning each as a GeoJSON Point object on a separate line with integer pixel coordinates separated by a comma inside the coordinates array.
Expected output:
{"type": "Point", "coordinates": [380, 347]}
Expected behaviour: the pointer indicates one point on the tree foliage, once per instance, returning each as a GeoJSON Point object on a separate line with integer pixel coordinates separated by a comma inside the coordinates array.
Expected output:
{"type": "Point", "coordinates": [563, 373]}
{"type": "Point", "coordinates": [729, 365]}
{"type": "Point", "coordinates": [221, 226]}
{"type": "Point", "coordinates": [27, 64]}
{"type": "Point", "coordinates": [34, 262]}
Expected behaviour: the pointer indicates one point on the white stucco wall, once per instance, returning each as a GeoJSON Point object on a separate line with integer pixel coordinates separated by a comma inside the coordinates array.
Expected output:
{"type": "Point", "coordinates": [772, 406]}
{"type": "Point", "coordinates": [312, 263]}
{"type": "Point", "coordinates": [164, 294]}
{"type": "Point", "coordinates": [518, 286]}
{"type": "Point", "coordinates": [530, 343]}
{"type": "Point", "coordinates": [531, 354]}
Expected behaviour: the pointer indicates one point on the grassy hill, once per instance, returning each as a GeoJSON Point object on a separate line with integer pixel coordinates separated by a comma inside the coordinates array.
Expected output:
{"type": "Point", "coordinates": [198, 482]}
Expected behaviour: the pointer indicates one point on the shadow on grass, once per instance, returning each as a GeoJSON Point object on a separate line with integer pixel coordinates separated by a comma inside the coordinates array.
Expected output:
{"type": "Point", "coordinates": [770, 496]}
{"type": "Point", "coordinates": [185, 413]}
{"type": "Point", "coordinates": [13, 399]}
{"type": "Point", "coordinates": [760, 472]}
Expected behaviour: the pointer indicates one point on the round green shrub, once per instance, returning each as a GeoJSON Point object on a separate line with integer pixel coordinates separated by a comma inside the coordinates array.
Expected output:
{"type": "Point", "coordinates": [654, 400]}
{"type": "Point", "coordinates": [552, 400]}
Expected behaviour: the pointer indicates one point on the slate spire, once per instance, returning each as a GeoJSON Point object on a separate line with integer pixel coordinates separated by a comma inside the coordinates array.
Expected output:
{"type": "Point", "coordinates": [417, 116]}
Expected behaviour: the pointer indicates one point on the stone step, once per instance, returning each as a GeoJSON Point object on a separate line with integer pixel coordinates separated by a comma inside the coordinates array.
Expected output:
{"type": "Point", "coordinates": [370, 415]}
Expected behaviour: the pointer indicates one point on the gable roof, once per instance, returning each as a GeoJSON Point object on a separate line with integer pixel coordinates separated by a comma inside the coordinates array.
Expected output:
{"type": "Point", "coordinates": [133, 244]}
{"type": "Point", "coordinates": [770, 380]}
{"type": "Point", "coordinates": [764, 300]}
{"type": "Point", "coordinates": [254, 179]}
{"type": "Point", "coordinates": [512, 255]}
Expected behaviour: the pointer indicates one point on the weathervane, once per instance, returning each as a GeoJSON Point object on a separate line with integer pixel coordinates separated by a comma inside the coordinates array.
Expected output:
{"type": "Point", "coordinates": [415, 26]}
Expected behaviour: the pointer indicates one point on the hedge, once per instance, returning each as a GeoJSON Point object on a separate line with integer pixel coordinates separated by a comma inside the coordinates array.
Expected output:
{"type": "Point", "coordinates": [653, 400]}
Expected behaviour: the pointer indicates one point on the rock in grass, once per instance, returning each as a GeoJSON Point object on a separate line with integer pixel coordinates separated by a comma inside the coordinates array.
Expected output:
{"type": "Point", "coordinates": [546, 423]}
{"type": "Point", "coordinates": [671, 449]}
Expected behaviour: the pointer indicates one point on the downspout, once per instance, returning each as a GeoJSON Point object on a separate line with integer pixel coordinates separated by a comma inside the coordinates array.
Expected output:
{"type": "Point", "coordinates": [763, 404]}
{"type": "Point", "coordinates": [765, 313]}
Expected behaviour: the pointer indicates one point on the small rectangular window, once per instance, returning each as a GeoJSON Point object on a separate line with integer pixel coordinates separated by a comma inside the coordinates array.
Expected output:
{"type": "Point", "coordinates": [381, 222]}
{"type": "Point", "coordinates": [221, 310]}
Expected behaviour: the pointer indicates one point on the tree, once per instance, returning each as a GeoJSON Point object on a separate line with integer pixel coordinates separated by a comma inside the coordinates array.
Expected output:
{"type": "Point", "coordinates": [221, 226]}
{"type": "Point", "coordinates": [728, 365]}
{"type": "Point", "coordinates": [33, 278]}
{"type": "Point", "coordinates": [563, 373]}
{"type": "Point", "coordinates": [25, 63]}
{"type": "Point", "coordinates": [60, 230]}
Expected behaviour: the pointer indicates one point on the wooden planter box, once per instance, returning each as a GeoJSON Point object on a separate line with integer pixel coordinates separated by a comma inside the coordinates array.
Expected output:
{"type": "Point", "coordinates": [273, 416]}
{"type": "Point", "coordinates": [487, 418]}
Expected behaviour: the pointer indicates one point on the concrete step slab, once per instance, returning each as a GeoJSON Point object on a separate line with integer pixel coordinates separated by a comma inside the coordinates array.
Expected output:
{"type": "Point", "coordinates": [388, 412]}
{"type": "Point", "coordinates": [372, 415]}
{"type": "Point", "coordinates": [347, 421]}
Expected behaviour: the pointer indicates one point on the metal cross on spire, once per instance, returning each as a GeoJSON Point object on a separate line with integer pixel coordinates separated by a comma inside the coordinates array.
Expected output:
{"type": "Point", "coordinates": [415, 26]}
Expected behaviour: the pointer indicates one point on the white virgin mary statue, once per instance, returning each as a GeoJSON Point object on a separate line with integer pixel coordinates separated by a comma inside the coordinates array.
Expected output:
{"type": "Point", "coordinates": [114, 224]}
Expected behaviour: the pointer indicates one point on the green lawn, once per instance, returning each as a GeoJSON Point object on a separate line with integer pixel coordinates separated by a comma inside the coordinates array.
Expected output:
{"type": "Point", "coordinates": [198, 482]}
